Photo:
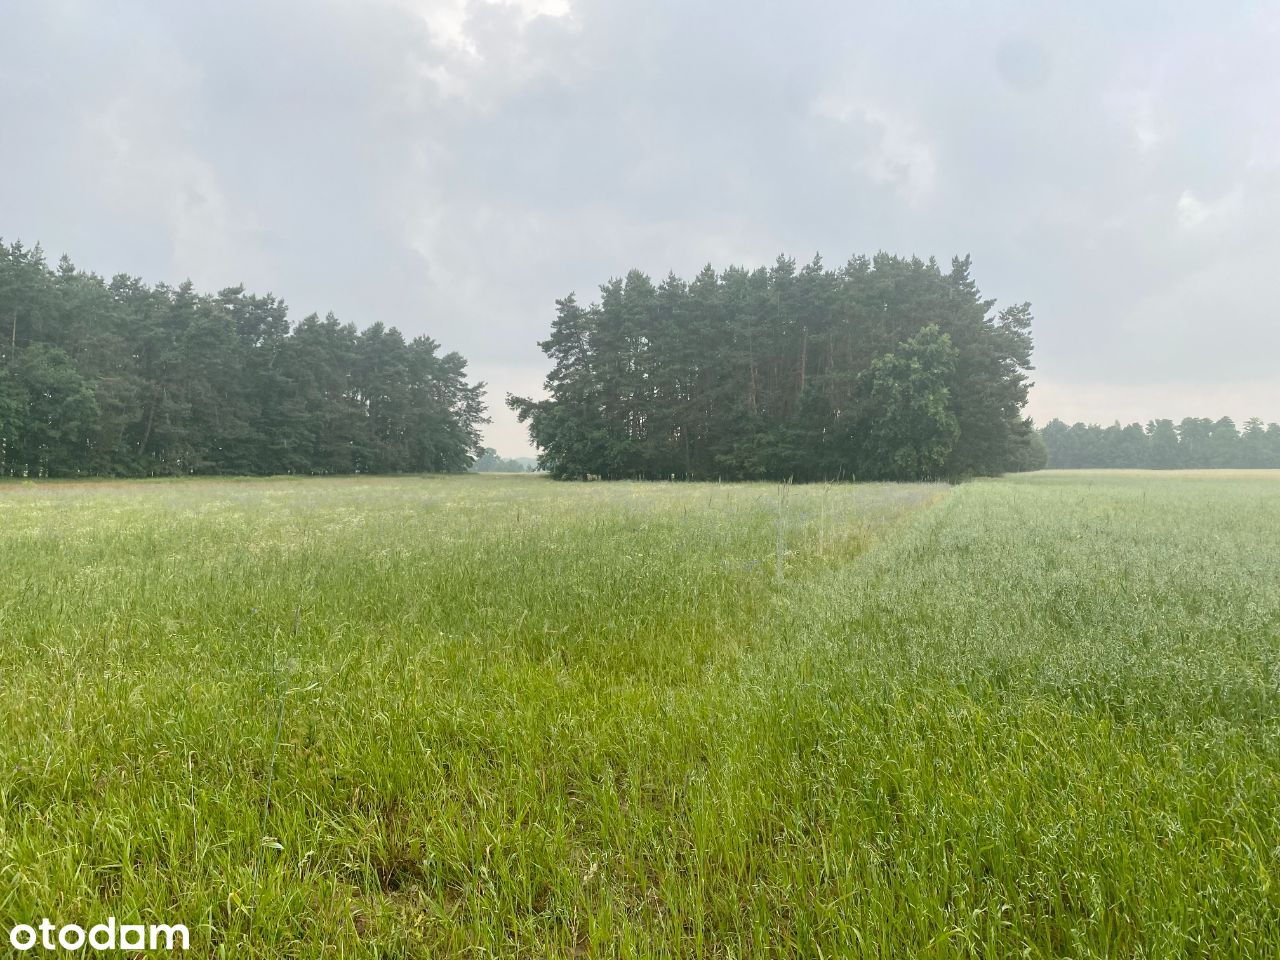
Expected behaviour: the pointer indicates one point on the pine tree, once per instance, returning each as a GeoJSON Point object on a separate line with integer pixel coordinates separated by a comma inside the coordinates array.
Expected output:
{"type": "Point", "coordinates": [121, 378]}
{"type": "Point", "coordinates": [765, 373]}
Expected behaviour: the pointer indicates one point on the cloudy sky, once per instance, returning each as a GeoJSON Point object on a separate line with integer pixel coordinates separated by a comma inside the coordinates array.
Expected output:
{"type": "Point", "coordinates": [452, 166]}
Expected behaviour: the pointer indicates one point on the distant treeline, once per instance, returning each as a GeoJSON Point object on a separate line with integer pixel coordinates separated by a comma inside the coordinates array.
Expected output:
{"type": "Point", "coordinates": [119, 378]}
{"type": "Point", "coordinates": [887, 368]}
{"type": "Point", "coordinates": [1194, 443]}
{"type": "Point", "coordinates": [490, 462]}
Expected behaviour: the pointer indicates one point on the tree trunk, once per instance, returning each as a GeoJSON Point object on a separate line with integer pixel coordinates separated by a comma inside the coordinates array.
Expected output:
{"type": "Point", "coordinates": [146, 434]}
{"type": "Point", "coordinates": [804, 361]}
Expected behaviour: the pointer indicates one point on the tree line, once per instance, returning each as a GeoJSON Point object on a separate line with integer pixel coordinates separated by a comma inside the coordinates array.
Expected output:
{"type": "Point", "coordinates": [887, 368]}
{"type": "Point", "coordinates": [1196, 442]}
{"type": "Point", "coordinates": [490, 462]}
{"type": "Point", "coordinates": [118, 378]}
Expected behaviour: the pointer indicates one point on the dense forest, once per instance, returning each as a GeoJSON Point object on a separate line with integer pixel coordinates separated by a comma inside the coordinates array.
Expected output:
{"type": "Point", "coordinates": [887, 368]}
{"type": "Point", "coordinates": [1196, 442]}
{"type": "Point", "coordinates": [123, 379]}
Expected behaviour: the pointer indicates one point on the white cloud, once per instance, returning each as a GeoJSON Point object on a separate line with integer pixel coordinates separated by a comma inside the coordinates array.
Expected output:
{"type": "Point", "coordinates": [903, 158]}
{"type": "Point", "coordinates": [1150, 129]}
{"type": "Point", "coordinates": [1194, 213]}
{"type": "Point", "coordinates": [451, 22]}
{"type": "Point", "coordinates": [137, 148]}
{"type": "Point", "coordinates": [893, 151]}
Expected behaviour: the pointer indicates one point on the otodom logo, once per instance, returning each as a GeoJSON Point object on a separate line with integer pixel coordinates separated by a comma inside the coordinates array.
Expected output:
{"type": "Point", "coordinates": [107, 935]}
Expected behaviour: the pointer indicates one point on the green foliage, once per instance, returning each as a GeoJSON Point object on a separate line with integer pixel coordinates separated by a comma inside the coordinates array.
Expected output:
{"type": "Point", "coordinates": [497, 716]}
{"type": "Point", "coordinates": [1196, 443]}
{"type": "Point", "coordinates": [887, 367]}
{"type": "Point", "coordinates": [51, 411]}
{"type": "Point", "coordinates": [907, 428]}
{"type": "Point", "coordinates": [122, 379]}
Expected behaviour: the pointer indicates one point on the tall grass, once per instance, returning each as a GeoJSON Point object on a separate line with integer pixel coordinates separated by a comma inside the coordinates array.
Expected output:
{"type": "Point", "coordinates": [487, 716]}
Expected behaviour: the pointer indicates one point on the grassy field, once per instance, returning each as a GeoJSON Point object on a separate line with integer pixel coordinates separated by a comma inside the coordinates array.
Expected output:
{"type": "Point", "coordinates": [497, 716]}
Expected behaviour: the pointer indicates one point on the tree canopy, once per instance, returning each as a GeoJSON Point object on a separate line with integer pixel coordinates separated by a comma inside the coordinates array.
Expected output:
{"type": "Point", "coordinates": [887, 368]}
{"type": "Point", "coordinates": [123, 379]}
{"type": "Point", "coordinates": [1195, 442]}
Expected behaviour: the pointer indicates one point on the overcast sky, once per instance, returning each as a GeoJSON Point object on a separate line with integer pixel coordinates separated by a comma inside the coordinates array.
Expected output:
{"type": "Point", "coordinates": [452, 167]}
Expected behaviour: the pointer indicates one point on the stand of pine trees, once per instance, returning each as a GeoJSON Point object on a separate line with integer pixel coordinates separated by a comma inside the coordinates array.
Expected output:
{"type": "Point", "coordinates": [888, 368]}
{"type": "Point", "coordinates": [1195, 443]}
{"type": "Point", "coordinates": [121, 379]}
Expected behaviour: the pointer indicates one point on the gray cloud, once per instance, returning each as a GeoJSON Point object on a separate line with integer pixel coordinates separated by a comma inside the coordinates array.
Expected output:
{"type": "Point", "coordinates": [452, 167]}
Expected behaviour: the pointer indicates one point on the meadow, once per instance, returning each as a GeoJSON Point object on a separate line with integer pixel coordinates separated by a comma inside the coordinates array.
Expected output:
{"type": "Point", "coordinates": [488, 716]}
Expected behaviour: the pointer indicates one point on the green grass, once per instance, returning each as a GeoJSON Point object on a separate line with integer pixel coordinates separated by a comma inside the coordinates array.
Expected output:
{"type": "Point", "coordinates": [498, 716]}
